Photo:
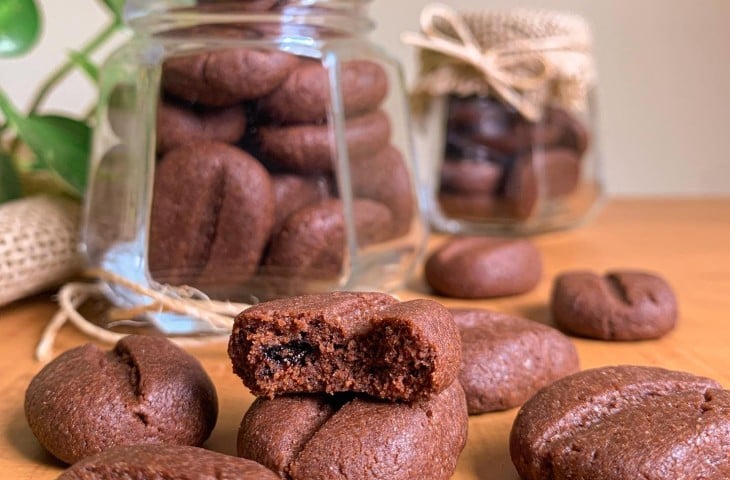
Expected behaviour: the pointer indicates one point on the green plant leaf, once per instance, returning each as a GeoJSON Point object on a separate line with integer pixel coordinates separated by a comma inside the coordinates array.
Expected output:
{"type": "Point", "coordinates": [9, 182]}
{"type": "Point", "coordinates": [83, 62]}
{"type": "Point", "coordinates": [20, 26]}
{"type": "Point", "coordinates": [117, 9]}
{"type": "Point", "coordinates": [61, 144]}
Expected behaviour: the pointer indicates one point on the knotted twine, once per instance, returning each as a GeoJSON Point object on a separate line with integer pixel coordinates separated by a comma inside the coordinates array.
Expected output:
{"type": "Point", "coordinates": [216, 315]}
{"type": "Point", "coordinates": [528, 58]}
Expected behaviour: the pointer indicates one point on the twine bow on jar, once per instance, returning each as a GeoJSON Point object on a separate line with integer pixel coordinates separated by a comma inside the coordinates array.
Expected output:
{"type": "Point", "coordinates": [527, 58]}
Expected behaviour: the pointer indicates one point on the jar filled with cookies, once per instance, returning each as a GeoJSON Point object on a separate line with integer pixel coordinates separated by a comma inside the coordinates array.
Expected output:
{"type": "Point", "coordinates": [247, 150]}
{"type": "Point", "coordinates": [507, 101]}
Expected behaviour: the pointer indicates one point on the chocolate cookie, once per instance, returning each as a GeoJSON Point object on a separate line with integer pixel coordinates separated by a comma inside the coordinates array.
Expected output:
{"type": "Point", "coordinates": [483, 267]}
{"type": "Point", "coordinates": [294, 192]}
{"type": "Point", "coordinates": [305, 95]}
{"type": "Point", "coordinates": [469, 206]}
{"type": "Point", "coordinates": [470, 176]}
{"type": "Point", "coordinates": [312, 241]}
{"type": "Point", "coordinates": [384, 177]}
{"type": "Point", "coordinates": [506, 359]}
{"type": "Point", "coordinates": [309, 148]}
{"type": "Point", "coordinates": [490, 122]}
{"type": "Point", "coordinates": [620, 305]}
{"type": "Point", "coordinates": [165, 462]}
{"type": "Point", "coordinates": [212, 212]}
{"type": "Point", "coordinates": [485, 121]}
{"type": "Point", "coordinates": [325, 437]}
{"type": "Point", "coordinates": [146, 390]}
{"type": "Point", "coordinates": [346, 342]}
{"type": "Point", "coordinates": [548, 173]}
{"type": "Point", "coordinates": [223, 77]}
{"type": "Point", "coordinates": [575, 134]}
{"type": "Point", "coordinates": [244, 5]}
{"type": "Point", "coordinates": [615, 423]}
{"type": "Point", "coordinates": [178, 125]}
{"type": "Point", "coordinates": [521, 188]}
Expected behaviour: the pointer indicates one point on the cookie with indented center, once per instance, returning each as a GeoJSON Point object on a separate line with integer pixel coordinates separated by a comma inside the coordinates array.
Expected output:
{"type": "Point", "coordinates": [304, 97]}
{"type": "Point", "coordinates": [145, 390]}
{"type": "Point", "coordinates": [178, 125]}
{"type": "Point", "coordinates": [224, 76]}
{"type": "Point", "coordinates": [341, 437]}
{"type": "Point", "coordinates": [615, 423]}
{"type": "Point", "coordinates": [310, 148]}
{"type": "Point", "coordinates": [620, 305]}
{"type": "Point", "coordinates": [211, 216]}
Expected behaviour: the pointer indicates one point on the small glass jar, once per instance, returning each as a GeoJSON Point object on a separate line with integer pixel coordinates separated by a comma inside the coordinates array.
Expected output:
{"type": "Point", "coordinates": [507, 102]}
{"type": "Point", "coordinates": [252, 150]}
{"type": "Point", "coordinates": [497, 172]}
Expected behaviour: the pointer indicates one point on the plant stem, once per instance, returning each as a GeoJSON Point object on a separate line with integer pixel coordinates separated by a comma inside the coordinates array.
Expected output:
{"type": "Point", "coordinates": [64, 69]}
{"type": "Point", "coordinates": [6, 106]}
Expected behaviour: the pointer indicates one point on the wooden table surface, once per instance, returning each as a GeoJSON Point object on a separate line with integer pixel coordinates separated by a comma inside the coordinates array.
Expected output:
{"type": "Point", "coordinates": [687, 241]}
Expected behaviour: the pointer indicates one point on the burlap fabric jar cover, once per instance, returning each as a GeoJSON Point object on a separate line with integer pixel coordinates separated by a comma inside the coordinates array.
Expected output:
{"type": "Point", "coordinates": [507, 100]}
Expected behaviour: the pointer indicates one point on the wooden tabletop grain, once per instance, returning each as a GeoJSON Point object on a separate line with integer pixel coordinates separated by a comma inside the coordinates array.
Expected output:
{"type": "Point", "coordinates": [687, 241]}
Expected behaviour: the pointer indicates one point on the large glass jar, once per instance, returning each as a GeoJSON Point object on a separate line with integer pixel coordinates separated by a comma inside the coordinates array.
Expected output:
{"type": "Point", "coordinates": [250, 150]}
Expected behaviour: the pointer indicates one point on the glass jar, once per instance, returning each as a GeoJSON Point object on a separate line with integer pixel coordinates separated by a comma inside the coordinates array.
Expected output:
{"type": "Point", "coordinates": [251, 150]}
{"type": "Point", "coordinates": [507, 102]}
{"type": "Point", "coordinates": [497, 172]}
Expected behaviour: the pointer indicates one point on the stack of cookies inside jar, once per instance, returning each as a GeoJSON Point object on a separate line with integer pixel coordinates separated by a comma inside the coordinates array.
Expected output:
{"type": "Point", "coordinates": [277, 170]}
{"type": "Point", "coordinates": [507, 99]}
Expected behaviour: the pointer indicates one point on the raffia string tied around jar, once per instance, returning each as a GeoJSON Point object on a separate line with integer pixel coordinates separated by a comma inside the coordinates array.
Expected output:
{"type": "Point", "coordinates": [527, 58]}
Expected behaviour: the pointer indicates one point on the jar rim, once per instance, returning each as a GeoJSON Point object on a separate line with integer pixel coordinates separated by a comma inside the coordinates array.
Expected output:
{"type": "Point", "coordinates": [345, 15]}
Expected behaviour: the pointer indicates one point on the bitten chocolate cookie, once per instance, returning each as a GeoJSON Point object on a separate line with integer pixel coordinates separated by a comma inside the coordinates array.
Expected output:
{"type": "Point", "coordinates": [616, 423]}
{"type": "Point", "coordinates": [384, 177]}
{"type": "Point", "coordinates": [309, 148]}
{"type": "Point", "coordinates": [506, 359]}
{"type": "Point", "coordinates": [165, 462]}
{"type": "Point", "coordinates": [226, 76]}
{"type": "Point", "coordinates": [178, 125]}
{"type": "Point", "coordinates": [483, 267]}
{"type": "Point", "coordinates": [312, 241]}
{"type": "Point", "coordinates": [145, 390]}
{"type": "Point", "coordinates": [346, 342]}
{"type": "Point", "coordinates": [620, 305]}
{"type": "Point", "coordinates": [212, 213]}
{"type": "Point", "coordinates": [305, 95]}
{"type": "Point", "coordinates": [325, 437]}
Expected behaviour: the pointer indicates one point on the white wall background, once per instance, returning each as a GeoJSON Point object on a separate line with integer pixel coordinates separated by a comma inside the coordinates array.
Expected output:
{"type": "Point", "coordinates": [664, 70]}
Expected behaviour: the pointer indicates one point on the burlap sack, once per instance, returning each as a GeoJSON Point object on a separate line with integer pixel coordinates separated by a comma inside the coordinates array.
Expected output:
{"type": "Point", "coordinates": [38, 245]}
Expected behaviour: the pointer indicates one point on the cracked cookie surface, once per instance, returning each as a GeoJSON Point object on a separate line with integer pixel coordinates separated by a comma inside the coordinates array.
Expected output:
{"type": "Point", "coordinates": [624, 422]}
{"type": "Point", "coordinates": [620, 305]}
{"type": "Point", "coordinates": [145, 390]}
{"type": "Point", "coordinates": [351, 437]}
